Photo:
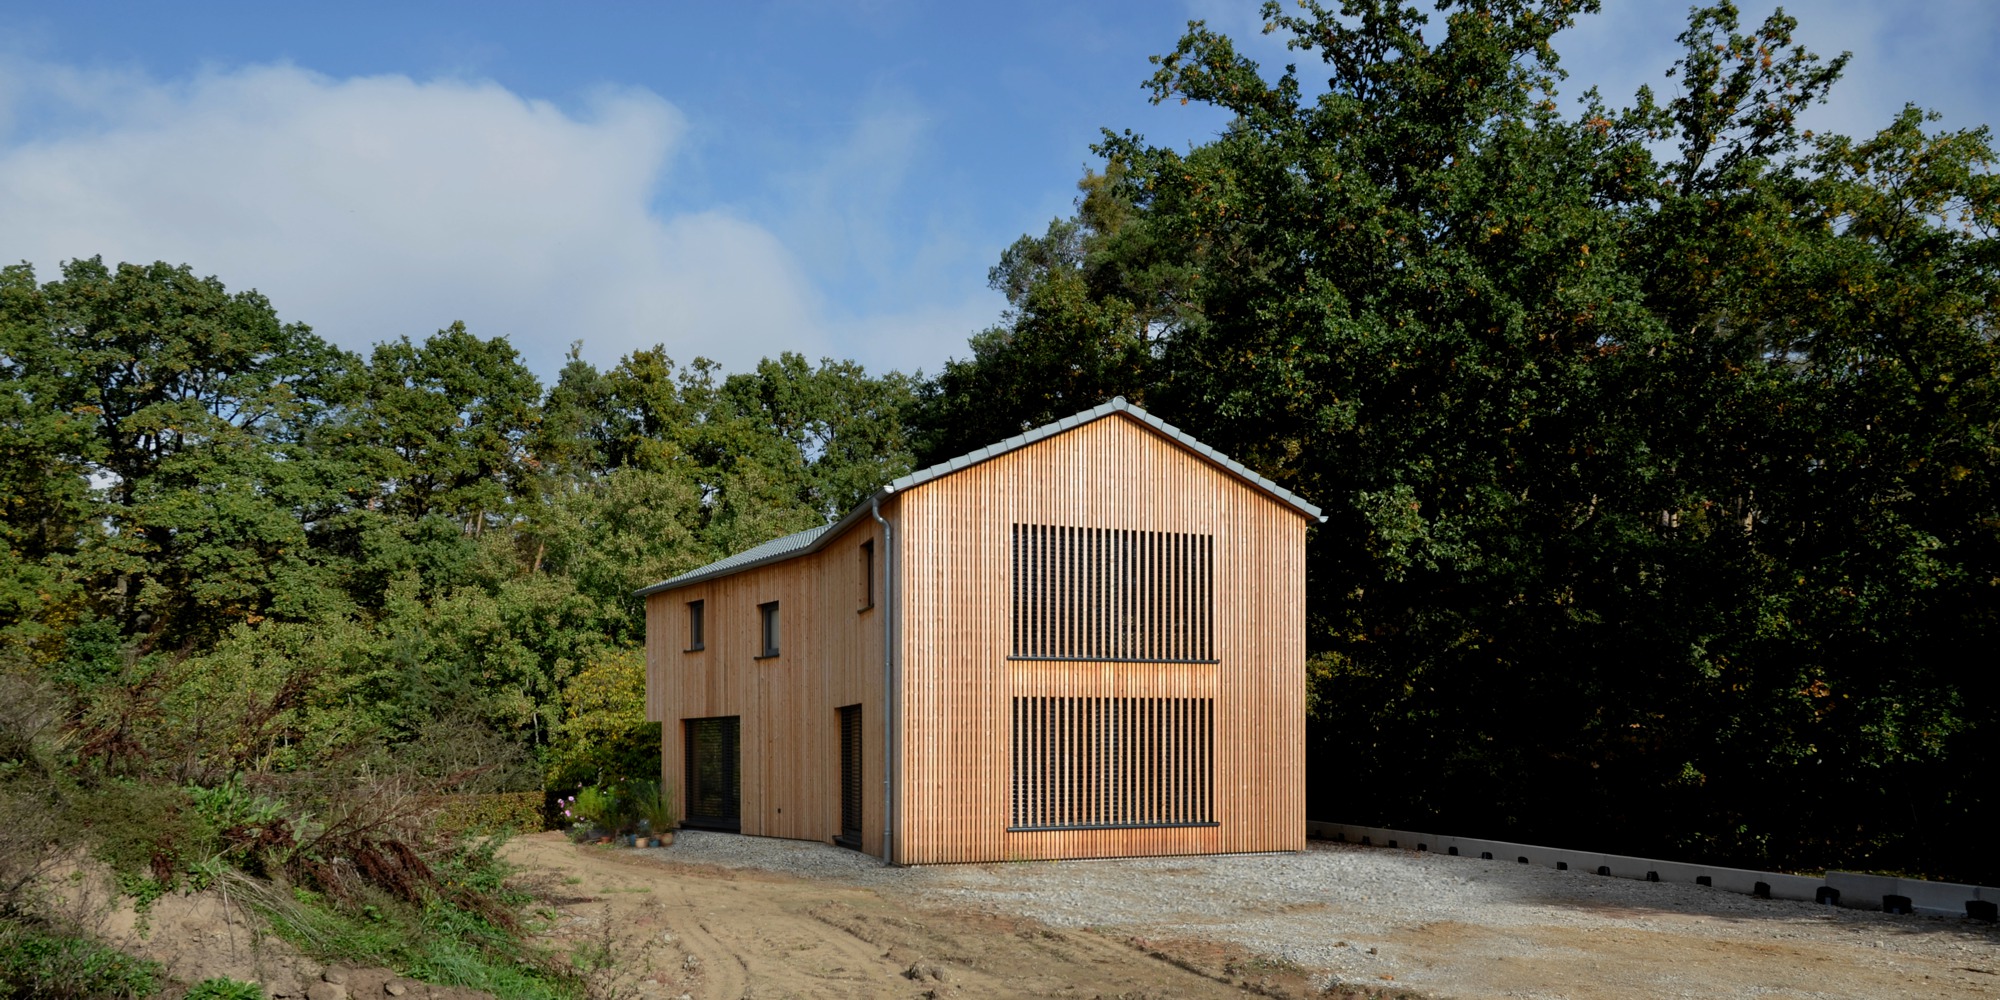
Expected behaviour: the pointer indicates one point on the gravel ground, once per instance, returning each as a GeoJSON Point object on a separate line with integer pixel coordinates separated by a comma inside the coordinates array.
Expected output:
{"type": "Point", "coordinates": [1349, 910]}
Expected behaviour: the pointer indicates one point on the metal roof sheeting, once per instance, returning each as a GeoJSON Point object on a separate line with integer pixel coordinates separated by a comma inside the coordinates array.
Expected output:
{"type": "Point", "coordinates": [804, 541]}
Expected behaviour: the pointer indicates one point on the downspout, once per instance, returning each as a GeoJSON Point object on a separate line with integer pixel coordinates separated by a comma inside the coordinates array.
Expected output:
{"type": "Point", "coordinates": [889, 691]}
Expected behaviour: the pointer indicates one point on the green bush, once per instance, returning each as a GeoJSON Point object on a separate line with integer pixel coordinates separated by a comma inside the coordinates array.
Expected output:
{"type": "Point", "coordinates": [520, 812]}
{"type": "Point", "coordinates": [595, 806]}
{"type": "Point", "coordinates": [220, 988]}
{"type": "Point", "coordinates": [41, 965]}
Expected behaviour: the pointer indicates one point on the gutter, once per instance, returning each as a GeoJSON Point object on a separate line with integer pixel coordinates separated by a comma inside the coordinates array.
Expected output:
{"type": "Point", "coordinates": [890, 692]}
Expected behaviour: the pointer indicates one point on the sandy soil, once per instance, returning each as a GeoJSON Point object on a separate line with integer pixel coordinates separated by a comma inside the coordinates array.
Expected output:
{"type": "Point", "coordinates": [677, 929]}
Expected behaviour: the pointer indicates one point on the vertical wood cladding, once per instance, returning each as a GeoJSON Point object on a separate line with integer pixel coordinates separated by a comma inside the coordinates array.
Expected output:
{"type": "Point", "coordinates": [1144, 548]}
{"type": "Point", "coordinates": [1140, 534]}
{"type": "Point", "coordinates": [1111, 594]}
{"type": "Point", "coordinates": [830, 656]}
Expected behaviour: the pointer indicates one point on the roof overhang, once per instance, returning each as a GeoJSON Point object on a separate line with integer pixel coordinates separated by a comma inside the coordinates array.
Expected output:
{"type": "Point", "coordinates": [810, 541]}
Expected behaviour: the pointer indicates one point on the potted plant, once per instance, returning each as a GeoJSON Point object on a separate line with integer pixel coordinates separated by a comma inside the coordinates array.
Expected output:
{"type": "Point", "coordinates": [653, 807]}
{"type": "Point", "coordinates": [620, 816]}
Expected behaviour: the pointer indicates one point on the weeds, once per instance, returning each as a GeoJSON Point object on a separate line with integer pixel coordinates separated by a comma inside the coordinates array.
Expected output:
{"type": "Point", "coordinates": [452, 923]}
{"type": "Point", "coordinates": [224, 989]}
{"type": "Point", "coordinates": [37, 964]}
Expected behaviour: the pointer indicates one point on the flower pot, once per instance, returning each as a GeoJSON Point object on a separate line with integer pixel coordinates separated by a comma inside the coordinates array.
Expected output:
{"type": "Point", "coordinates": [664, 839]}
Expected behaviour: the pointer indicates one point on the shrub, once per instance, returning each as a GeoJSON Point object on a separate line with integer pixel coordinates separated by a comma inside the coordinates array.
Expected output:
{"type": "Point", "coordinates": [520, 812]}
{"type": "Point", "coordinates": [604, 736]}
{"type": "Point", "coordinates": [44, 965]}
{"type": "Point", "coordinates": [595, 806]}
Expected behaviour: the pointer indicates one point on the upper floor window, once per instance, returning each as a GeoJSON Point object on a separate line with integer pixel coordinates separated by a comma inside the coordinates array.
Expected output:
{"type": "Point", "coordinates": [1112, 594]}
{"type": "Point", "coordinates": [867, 574]}
{"type": "Point", "coordinates": [767, 617]}
{"type": "Point", "coordinates": [695, 626]}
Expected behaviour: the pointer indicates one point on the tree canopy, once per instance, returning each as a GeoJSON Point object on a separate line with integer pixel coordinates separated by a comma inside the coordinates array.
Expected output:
{"type": "Point", "coordinates": [1657, 440]}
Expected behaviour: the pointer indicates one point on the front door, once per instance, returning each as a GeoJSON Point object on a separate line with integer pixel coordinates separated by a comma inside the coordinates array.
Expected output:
{"type": "Point", "coordinates": [714, 773]}
{"type": "Point", "coordinates": [850, 777]}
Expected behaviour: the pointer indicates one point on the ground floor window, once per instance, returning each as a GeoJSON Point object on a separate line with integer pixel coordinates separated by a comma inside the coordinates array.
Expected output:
{"type": "Point", "coordinates": [714, 786]}
{"type": "Point", "coordinates": [850, 776]}
{"type": "Point", "coordinates": [1107, 763]}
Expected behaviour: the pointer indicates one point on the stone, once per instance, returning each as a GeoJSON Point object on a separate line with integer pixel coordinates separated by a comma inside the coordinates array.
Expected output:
{"type": "Point", "coordinates": [326, 991]}
{"type": "Point", "coordinates": [395, 989]}
{"type": "Point", "coordinates": [335, 976]}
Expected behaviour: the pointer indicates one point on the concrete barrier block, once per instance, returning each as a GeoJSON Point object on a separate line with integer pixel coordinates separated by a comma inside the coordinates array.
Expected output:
{"type": "Point", "coordinates": [1796, 887]}
{"type": "Point", "coordinates": [1944, 899]}
{"type": "Point", "coordinates": [1863, 892]}
{"type": "Point", "coordinates": [1675, 871]}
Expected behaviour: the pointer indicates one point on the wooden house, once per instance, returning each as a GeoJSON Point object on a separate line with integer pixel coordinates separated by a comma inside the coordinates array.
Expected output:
{"type": "Point", "coordinates": [1085, 641]}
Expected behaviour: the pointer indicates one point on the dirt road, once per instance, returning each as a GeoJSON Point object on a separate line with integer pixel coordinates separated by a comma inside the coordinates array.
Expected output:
{"type": "Point", "coordinates": [670, 930]}
{"type": "Point", "coordinates": [669, 925]}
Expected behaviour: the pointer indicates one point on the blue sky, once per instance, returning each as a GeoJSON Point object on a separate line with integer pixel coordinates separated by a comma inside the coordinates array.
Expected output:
{"type": "Point", "coordinates": [727, 180]}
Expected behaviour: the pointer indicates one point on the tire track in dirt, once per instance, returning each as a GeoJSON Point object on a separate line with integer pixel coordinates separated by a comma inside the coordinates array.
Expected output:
{"type": "Point", "coordinates": [759, 935]}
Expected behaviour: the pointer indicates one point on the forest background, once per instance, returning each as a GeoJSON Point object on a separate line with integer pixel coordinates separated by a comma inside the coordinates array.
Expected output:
{"type": "Point", "coordinates": [1657, 442]}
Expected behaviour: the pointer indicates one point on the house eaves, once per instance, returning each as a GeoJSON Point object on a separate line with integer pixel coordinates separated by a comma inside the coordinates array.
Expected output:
{"type": "Point", "coordinates": [812, 539]}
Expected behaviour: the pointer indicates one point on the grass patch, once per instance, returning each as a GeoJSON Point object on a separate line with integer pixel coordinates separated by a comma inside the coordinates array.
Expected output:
{"type": "Point", "coordinates": [434, 940]}
{"type": "Point", "coordinates": [221, 988]}
{"type": "Point", "coordinates": [437, 943]}
{"type": "Point", "coordinates": [41, 964]}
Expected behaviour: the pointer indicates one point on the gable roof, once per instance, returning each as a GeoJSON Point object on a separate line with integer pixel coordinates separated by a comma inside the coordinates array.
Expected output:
{"type": "Point", "coordinates": [809, 540]}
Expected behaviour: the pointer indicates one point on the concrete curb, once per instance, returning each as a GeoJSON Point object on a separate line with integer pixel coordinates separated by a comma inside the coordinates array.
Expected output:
{"type": "Point", "coordinates": [1872, 892]}
{"type": "Point", "coordinates": [1849, 889]}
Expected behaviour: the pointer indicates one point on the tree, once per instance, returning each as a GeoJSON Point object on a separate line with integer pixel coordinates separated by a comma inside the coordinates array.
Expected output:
{"type": "Point", "coordinates": [1660, 487]}
{"type": "Point", "coordinates": [446, 423]}
{"type": "Point", "coordinates": [188, 406]}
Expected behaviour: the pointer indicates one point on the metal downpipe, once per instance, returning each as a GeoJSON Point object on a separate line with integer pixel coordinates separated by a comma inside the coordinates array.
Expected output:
{"type": "Point", "coordinates": [889, 690]}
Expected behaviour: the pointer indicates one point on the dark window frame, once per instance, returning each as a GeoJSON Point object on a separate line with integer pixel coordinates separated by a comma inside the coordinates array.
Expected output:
{"type": "Point", "coordinates": [714, 779]}
{"type": "Point", "coordinates": [853, 790]}
{"type": "Point", "coordinates": [867, 575]}
{"type": "Point", "coordinates": [697, 626]}
{"type": "Point", "coordinates": [770, 630]}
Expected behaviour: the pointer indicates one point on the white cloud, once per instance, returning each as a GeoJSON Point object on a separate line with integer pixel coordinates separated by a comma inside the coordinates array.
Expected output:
{"type": "Point", "coordinates": [920, 337]}
{"type": "Point", "coordinates": [381, 206]}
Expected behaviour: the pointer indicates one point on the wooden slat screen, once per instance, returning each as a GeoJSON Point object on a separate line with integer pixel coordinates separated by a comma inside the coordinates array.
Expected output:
{"type": "Point", "coordinates": [713, 756]}
{"type": "Point", "coordinates": [1110, 763]}
{"type": "Point", "coordinates": [1112, 594]}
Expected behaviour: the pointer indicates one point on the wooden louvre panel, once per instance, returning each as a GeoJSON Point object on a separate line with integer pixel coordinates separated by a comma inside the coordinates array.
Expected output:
{"type": "Point", "coordinates": [1112, 594]}
{"type": "Point", "coordinates": [1112, 763]}
{"type": "Point", "coordinates": [850, 776]}
{"type": "Point", "coordinates": [713, 757]}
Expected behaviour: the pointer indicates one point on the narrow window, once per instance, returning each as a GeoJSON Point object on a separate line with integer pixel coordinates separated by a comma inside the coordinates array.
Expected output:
{"type": "Point", "coordinates": [695, 626]}
{"type": "Point", "coordinates": [768, 616]}
{"type": "Point", "coordinates": [867, 574]}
